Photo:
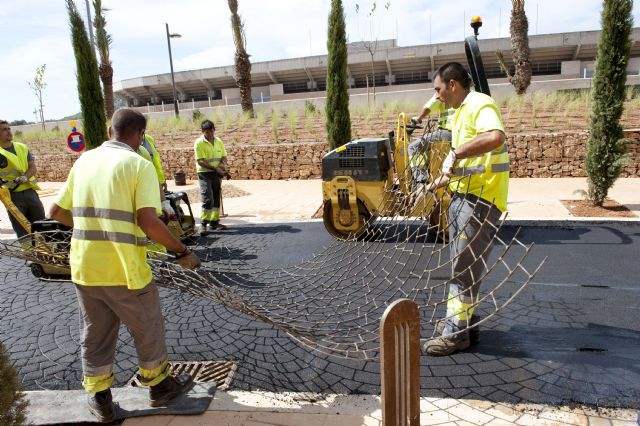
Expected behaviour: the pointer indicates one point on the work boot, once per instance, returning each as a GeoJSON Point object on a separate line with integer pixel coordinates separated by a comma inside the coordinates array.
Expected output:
{"type": "Point", "coordinates": [474, 330]}
{"type": "Point", "coordinates": [203, 228]}
{"type": "Point", "coordinates": [101, 406]}
{"type": "Point", "coordinates": [217, 226]}
{"type": "Point", "coordinates": [168, 389]}
{"type": "Point", "coordinates": [444, 345]}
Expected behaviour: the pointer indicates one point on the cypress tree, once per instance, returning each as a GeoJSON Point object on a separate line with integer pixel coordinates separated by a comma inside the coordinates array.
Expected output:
{"type": "Point", "coordinates": [606, 147]}
{"type": "Point", "coordinates": [338, 120]}
{"type": "Point", "coordinates": [12, 402]}
{"type": "Point", "coordinates": [89, 91]}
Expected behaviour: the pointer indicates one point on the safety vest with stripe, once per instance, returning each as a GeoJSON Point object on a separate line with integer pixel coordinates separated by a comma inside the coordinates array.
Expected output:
{"type": "Point", "coordinates": [148, 150]}
{"type": "Point", "coordinates": [485, 175]}
{"type": "Point", "coordinates": [105, 188]}
{"type": "Point", "coordinates": [212, 153]}
{"type": "Point", "coordinates": [17, 165]}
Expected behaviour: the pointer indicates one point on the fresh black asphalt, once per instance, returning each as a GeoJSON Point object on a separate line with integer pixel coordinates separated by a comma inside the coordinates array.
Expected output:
{"type": "Point", "coordinates": [572, 335]}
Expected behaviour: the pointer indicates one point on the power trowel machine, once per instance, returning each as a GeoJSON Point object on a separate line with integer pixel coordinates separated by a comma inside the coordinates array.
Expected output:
{"type": "Point", "coordinates": [372, 177]}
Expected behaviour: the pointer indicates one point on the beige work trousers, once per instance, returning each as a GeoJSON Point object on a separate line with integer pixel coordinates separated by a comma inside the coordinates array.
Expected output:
{"type": "Point", "coordinates": [102, 309]}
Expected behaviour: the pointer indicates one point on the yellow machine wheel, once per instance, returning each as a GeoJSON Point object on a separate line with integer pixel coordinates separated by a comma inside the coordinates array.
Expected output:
{"type": "Point", "coordinates": [363, 222]}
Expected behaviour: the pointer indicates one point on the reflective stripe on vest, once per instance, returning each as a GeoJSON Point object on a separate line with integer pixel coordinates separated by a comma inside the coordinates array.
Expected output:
{"type": "Point", "coordinates": [112, 214]}
{"type": "Point", "coordinates": [114, 237]}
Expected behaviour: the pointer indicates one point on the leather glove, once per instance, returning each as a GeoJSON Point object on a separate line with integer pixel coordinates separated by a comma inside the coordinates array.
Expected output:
{"type": "Point", "coordinates": [416, 120]}
{"type": "Point", "coordinates": [221, 171]}
{"type": "Point", "coordinates": [20, 180]}
{"type": "Point", "coordinates": [167, 209]}
{"type": "Point", "coordinates": [188, 260]}
{"type": "Point", "coordinates": [448, 163]}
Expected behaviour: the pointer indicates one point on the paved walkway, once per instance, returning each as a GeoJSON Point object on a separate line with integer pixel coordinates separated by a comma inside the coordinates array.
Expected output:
{"type": "Point", "coordinates": [290, 201]}
{"type": "Point", "coordinates": [277, 201]}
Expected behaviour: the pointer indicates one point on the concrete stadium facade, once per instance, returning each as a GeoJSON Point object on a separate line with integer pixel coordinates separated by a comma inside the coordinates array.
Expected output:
{"type": "Point", "coordinates": [560, 61]}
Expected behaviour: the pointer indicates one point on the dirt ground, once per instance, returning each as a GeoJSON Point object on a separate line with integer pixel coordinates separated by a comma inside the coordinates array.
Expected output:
{"type": "Point", "coordinates": [584, 208]}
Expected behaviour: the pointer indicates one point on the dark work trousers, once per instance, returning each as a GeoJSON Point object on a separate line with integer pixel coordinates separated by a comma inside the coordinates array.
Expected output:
{"type": "Point", "coordinates": [29, 204]}
{"type": "Point", "coordinates": [473, 222]}
{"type": "Point", "coordinates": [210, 189]}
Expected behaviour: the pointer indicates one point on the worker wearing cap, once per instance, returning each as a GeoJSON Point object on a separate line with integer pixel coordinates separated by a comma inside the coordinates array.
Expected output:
{"type": "Point", "coordinates": [477, 172]}
{"type": "Point", "coordinates": [211, 165]}
{"type": "Point", "coordinates": [17, 166]}
{"type": "Point", "coordinates": [416, 149]}
{"type": "Point", "coordinates": [111, 198]}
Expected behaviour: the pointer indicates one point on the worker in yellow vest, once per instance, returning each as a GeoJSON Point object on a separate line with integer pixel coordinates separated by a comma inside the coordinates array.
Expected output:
{"type": "Point", "coordinates": [148, 150]}
{"type": "Point", "coordinates": [418, 148]}
{"type": "Point", "coordinates": [111, 199]}
{"type": "Point", "coordinates": [17, 166]}
{"type": "Point", "coordinates": [477, 172]}
{"type": "Point", "coordinates": [211, 165]}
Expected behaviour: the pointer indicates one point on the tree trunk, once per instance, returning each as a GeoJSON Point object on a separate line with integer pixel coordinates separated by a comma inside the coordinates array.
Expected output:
{"type": "Point", "coordinates": [106, 76]}
{"type": "Point", "coordinates": [519, 28]}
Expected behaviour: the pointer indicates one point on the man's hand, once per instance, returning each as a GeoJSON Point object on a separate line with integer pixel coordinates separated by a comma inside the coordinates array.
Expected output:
{"type": "Point", "coordinates": [448, 163]}
{"type": "Point", "coordinates": [166, 208]}
{"type": "Point", "coordinates": [163, 187]}
{"type": "Point", "coordinates": [188, 260]}
{"type": "Point", "coordinates": [221, 171]}
{"type": "Point", "coordinates": [416, 120]}
{"type": "Point", "coordinates": [20, 180]}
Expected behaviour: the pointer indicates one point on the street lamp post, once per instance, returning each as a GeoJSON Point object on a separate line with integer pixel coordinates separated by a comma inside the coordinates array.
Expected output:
{"type": "Point", "coordinates": [173, 81]}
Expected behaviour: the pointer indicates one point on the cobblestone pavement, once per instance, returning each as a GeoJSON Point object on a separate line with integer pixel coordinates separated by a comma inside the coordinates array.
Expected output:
{"type": "Point", "coordinates": [573, 336]}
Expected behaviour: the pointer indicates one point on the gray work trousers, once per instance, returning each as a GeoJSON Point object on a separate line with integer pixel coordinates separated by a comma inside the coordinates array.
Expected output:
{"type": "Point", "coordinates": [29, 204]}
{"type": "Point", "coordinates": [419, 148]}
{"type": "Point", "coordinates": [102, 308]}
{"type": "Point", "coordinates": [472, 225]}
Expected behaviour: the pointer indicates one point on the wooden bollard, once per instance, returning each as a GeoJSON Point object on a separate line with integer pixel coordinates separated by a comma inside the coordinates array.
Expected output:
{"type": "Point", "coordinates": [400, 364]}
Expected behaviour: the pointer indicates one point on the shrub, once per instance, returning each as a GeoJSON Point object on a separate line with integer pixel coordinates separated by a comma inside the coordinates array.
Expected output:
{"type": "Point", "coordinates": [12, 402]}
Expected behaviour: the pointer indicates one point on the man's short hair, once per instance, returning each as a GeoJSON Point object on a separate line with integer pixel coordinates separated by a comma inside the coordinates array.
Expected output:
{"type": "Point", "coordinates": [455, 71]}
{"type": "Point", "coordinates": [4, 122]}
{"type": "Point", "coordinates": [126, 122]}
{"type": "Point", "coordinates": [207, 125]}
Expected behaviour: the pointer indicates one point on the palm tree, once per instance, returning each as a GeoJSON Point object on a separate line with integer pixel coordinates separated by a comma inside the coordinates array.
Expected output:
{"type": "Point", "coordinates": [103, 42]}
{"type": "Point", "coordinates": [519, 28]}
{"type": "Point", "coordinates": [243, 64]}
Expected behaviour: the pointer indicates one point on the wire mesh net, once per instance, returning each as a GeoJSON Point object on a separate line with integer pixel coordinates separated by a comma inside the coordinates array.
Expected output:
{"type": "Point", "coordinates": [333, 302]}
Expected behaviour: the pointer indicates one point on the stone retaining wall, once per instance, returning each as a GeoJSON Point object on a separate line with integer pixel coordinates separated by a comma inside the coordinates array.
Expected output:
{"type": "Point", "coordinates": [532, 155]}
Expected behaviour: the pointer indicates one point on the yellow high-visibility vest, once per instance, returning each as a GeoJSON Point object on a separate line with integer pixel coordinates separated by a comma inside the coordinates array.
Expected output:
{"type": "Point", "coordinates": [486, 175]}
{"type": "Point", "coordinates": [17, 165]}
{"type": "Point", "coordinates": [212, 153]}
{"type": "Point", "coordinates": [105, 189]}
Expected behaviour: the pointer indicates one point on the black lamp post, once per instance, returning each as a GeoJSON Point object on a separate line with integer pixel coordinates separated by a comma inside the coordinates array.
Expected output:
{"type": "Point", "coordinates": [173, 81]}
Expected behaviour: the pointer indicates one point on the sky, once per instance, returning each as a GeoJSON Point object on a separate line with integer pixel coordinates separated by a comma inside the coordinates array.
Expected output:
{"type": "Point", "coordinates": [36, 32]}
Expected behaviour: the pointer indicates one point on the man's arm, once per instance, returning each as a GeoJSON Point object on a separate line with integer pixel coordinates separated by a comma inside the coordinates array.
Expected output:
{"type": "Point", "coordinates": [155, 229]}
{"type": "Point", "coordinates": [423, 113]}
{"type": "Point", "coordinates": [32, 170]}
{"type": "Point", "coordinates": [481, 144]}
{"type": "Point", "coordinates": [203, 163]}
{"type": "Point", "coordinates": [63, 216]}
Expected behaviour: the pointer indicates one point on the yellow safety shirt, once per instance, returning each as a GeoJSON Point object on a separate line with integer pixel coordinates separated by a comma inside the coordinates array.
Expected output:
{"type": "Point", "coordinates": [436, 106]}
{"type": "Point", "coordinates": [212, 153]}
{"type": "Point", "coordinates": [17, 165]}
{"type": "Point", "coordinates": [105, 189]}
{"type": "Point", "coordinates": [148, 150]}
{"type": "Point", "coordinates": [485, 175]}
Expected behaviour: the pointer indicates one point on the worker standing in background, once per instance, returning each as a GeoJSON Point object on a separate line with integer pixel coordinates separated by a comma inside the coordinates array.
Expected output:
{"type": "Point", "coordinates": [417, 149]}
{"type": "Point", "coordinates": [17, 165]}
{"type": "Point", "coordinates": [477, 172]}
{"type": "Point", "coordinates": [111, 198]}
{"type": "Point", "coordinates": [211, 162]}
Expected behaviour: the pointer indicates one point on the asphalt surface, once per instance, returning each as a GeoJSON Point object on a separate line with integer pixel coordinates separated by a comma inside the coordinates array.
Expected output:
{"type": "Point", "coordinates": [572, 335]}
